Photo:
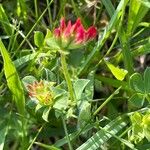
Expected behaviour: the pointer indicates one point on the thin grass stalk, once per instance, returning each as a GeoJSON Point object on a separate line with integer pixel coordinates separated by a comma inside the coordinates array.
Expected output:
{"type": "Point", "coordinates": [36, 9]}
{"type": "Point", "coordinates": [67, 135]}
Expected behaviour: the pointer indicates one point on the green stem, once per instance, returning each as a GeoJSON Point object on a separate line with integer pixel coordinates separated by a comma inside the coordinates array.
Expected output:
{"type": "Point", "coordinates": [67, 135]}
{"type": "Point", "coordinates": [36, 9]}
{"type": "Point", "coordinates": [106, 101]}
{"type": "Point", "coordinates": [127, 56]}
{"type": "Point", "coordinates": [67, 76]}
{"type": "Point", "coordinates": [125, 44]}
{"type": "Point", "coordinates": [40, 17]}
{"type": "Point", "coordinates": [49, 14]}
{"type": "Point", "coordinates": [35, 137]}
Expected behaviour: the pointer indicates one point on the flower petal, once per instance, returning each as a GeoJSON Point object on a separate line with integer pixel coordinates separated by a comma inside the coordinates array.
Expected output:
{"type": "Point", "coordinates": [76, 25]}
{"type": "Point", "coordinates": [80, 35]}
{"type": "Point", "coordinates": [67, 31]}
{"type": "Point", "coordinates": [91, 33]}
{"type": "Point", "coordinates": [62, 24]}
{"type": "Point", "coordinates": [57, 32]}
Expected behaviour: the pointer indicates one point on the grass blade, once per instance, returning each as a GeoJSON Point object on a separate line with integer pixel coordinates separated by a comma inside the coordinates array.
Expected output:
{"type": "Point", "coordinates": [101, 137]}
{"type": "Point", "coordinates": [115, 18]}
{"type": "Point", "coordinates": [109, 7]}
{"type": "Point", "coordinates": [3, 133]}
{"type": "Point", "coordinates": [4, 21]}
{"type": "Point", "coordinates": [136, 13]}
{"type": "Point", "coordinates": [13, 80]}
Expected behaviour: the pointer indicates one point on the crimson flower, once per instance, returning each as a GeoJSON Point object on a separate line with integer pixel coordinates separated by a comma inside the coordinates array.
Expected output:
{"type": "Point", "coordinates": [72, 36]}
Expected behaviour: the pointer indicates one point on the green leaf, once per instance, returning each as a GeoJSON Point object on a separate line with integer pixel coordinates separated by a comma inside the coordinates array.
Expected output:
{"type": "Point", "coordinates": [4, 21]}
{"type": "Point", "coordinates": [145, 2]}
{"type": "Point", "coordinates": [84, 113]}
{"type": "Point", "coordinates": [89, 89]}
{"type": "Point", "coordinates": [51, 42]}
{"type": "Point", "coordinates": [38, 107]}
{"type": "Point", "coordinates": [3, 132]}
{"type": "Point", "coordinates": [109, 7]}
{"type": "Point", "coordinates": [137, 100]}
{"type": "Point", "coordinates": [38, 38]}
{"type": "Point", "coordinates": [147, 133]}
{"type": "Point", "coordinates": [136, 83]}
{"type": "Point", "coordinates": [49, 75]}
{"type": "Point", "coordinates": [147, 80]}
{"type": "Point", "coordinates": [21, 61]}
{"type": "Point", "coordinates": [22, 9]}
{"type": "Point", "coordinates": [61, 102]}
{"type": "Point", "coordinates": [136, 118]}
{"type": "Point", "coordinates": [48, 35]}
{"type": "Point", "coordinates": [46, 113]}
{"type": "Point", "coordinates": [101, 137]}
{"type": "Point", "coordinates": [136, 13]}
{"type": "Point", "coordinates": [117, 72]}
{"type": "Point", "coordinates": [137, 129]}
{"type": "Point", "coordinates": [143, 49]}
{"type": "Point", "coordinates": [31, 104]}
{"type": "Point", "coordinates": [13, 80]}
{"type": "Point", "coordinates": [146, 125]}
{"type": "Point", "coordinates": [79, 86]}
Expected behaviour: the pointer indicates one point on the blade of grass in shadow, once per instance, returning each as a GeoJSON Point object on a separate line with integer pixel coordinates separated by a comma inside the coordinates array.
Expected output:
{"type": "Point", "coordinates": [137, 10]}
{"type": "Point", "coordinates": [115, 18]}
{"type": "Point", "coordinates": [50, 15]}
{"type": "Point", "coordinates": [74, 135]}
{"type": "Point", "coordinates": [112, 82]}
{"type": "Point", "coordinates": [40, 17]}
{"type": "Point", "coordinates": [45, 146]}
{"type": "Point", "coordinates": [77, 12]}
{"type": "Point", "coordinates": [146, 3]}
{"type": "Point", "coordinates": [3, 132]}
{"type": "Point", "coordinates": [98, 139]}
{"type": "Point", "coordinates": [22, 9]}
{"type": "Point", "coordinates": [140, 50]}
{"type": "Point", "coordinates": [7, 28]}
{"type": "Point", "coordinates": [109, 7]}
{"type": "Point", "coordinates": [30, 146]}
{"type": "Point", "coordinates": [126, 52]}
{"type": "Point", "coordinates": [13, 80]}
{"type": "Point", "coordinates": [124, 39]}
{"type": "Point", "coordinates": [4, 21]}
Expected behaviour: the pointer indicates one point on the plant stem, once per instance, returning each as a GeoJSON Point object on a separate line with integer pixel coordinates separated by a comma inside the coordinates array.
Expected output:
{"type": "Point", "coordinates": [36, 9]}
{"type": "Point", "coordinates": [35, 137]}
{"type": "Point", "coordinates": [67, 135]}
{"type": "Point", "coordinates": [67, 76]}
{"type": "Point", "coordinates": [107, 100]}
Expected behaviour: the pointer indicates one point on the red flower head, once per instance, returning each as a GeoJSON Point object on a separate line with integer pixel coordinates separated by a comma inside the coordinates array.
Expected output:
{"type": "Point", "coordinates": [74, 35]}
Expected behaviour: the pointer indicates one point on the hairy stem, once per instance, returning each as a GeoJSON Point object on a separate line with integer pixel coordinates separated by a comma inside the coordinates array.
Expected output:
{"type": "Point", "coordinates": [67, 76]}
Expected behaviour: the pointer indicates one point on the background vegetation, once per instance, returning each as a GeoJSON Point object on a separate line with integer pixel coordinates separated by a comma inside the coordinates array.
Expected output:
{"type": "Point", "coordinates": [109, 76]}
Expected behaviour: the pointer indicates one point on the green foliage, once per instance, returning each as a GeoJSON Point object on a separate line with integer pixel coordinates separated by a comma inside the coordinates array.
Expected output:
{"type": "Point", "coordinates": [3, 132]}
{"type": "Point", "coordinates": [140, 127]}
{"type": "Point", "coordinates": [13, 80]}
{"type": "Point", "coordinates": [38, 38]}
{"type": "Point", "coordinates": [5, 21]}
{"type": "Point", "coordinates": [117, 72]}
{"type": "Point", "coordinates": [94, 96]}
{"type": "Point", "coordinates": [141, 86]}
{"type": "Point", "coordinates": [136, 12]}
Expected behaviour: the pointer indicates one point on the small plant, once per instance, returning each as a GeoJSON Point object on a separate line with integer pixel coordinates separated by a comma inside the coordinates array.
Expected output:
{"type": "Point", "coordinates": [78, 82]}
